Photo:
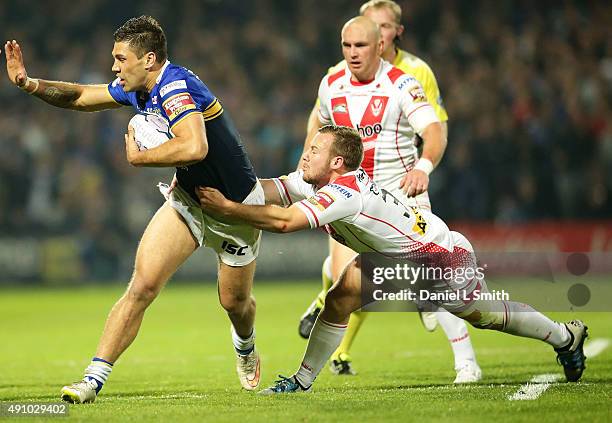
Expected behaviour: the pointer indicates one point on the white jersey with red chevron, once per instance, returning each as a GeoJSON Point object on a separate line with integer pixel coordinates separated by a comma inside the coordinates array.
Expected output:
{"type": "Point", "coordinates": [366, 218]}
{"type": "Point", "coordinates": [388, 112]}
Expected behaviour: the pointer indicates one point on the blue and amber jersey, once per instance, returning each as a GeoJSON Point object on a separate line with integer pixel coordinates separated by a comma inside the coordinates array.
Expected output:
{"type": "Point", "coordinates": [178, 92]}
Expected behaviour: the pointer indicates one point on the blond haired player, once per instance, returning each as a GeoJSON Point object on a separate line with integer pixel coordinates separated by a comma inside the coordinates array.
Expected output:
{"type": "Point", "coordinates": [387, 15]}
{"type": "Point", "coordinates": [332, 192]}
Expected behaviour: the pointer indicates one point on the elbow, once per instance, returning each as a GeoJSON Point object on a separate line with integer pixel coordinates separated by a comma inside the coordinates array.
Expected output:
{"type": "Point", "coordinates": [199, 152]}
{"type": "Point", "coordinates": [135, 160]}
{"type": "Point", "coordinates": [282, 227]}
{"type": "Point", "coordinates": [196, 153]}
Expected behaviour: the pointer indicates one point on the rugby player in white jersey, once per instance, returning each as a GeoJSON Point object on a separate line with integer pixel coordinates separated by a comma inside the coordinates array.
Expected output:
{"type": "Point", "coordinates": [368, 94]}
{"type": "Point", "coordinates": [332, 192]}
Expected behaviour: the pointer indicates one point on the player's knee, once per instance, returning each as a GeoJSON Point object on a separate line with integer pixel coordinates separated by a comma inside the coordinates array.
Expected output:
{"type": "Point", "coordinates": [486, 320]}
{"type": "Point", "coordinates": [341, 300]}
{"type": "Point", "coordinates": [141, 291]}
{"type": "Point", "coordinates": [335, 308]}
{"type": "Point", "coordinates": [236, 302]}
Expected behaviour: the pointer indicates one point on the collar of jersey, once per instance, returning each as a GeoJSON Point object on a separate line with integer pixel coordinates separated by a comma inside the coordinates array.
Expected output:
{"type": "Point", "coordinates": [161, 73]}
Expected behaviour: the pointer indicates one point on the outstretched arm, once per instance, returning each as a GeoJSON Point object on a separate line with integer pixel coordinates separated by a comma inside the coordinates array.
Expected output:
{"type": "Point", "coordinates": [87, 98]}
{"type": "Point", "coordinates": [269, 218]}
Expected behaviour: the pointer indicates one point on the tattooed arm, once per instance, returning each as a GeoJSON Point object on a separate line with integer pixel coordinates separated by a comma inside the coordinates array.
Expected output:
{"type": "Point", "coordinates": [87, 98]}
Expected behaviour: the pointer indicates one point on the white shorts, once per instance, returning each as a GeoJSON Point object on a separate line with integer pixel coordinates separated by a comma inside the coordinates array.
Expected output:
{"type": "Point", "coordinates": [462, 257]}
{"type": "Point", "coordinates": [236, 244]}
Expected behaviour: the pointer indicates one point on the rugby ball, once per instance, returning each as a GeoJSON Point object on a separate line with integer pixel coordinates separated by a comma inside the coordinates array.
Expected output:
{"type": "Point", "coordinates": [150, 130]}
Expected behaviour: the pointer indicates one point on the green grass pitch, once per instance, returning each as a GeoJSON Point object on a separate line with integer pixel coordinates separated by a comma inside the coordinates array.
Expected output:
{"type": "Point", "coordinates": [181, 366]}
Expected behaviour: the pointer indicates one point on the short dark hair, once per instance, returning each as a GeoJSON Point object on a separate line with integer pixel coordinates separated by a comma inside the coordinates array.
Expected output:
{"type": "Point", "coordinates": [347, 144]}
{"type": "Point", "coordinates": [144, 34]}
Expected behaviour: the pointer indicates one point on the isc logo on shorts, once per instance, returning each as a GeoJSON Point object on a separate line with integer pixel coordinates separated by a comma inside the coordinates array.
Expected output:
{"type": "Point", "coordinates": [233, 248]}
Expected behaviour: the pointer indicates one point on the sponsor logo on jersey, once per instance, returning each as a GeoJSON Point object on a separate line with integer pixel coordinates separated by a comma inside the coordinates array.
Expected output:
{"type": "Point", "coordinates": [339, 108]}
{"type": "Point", "coordinates": [341, 190]}
{"type": "Point", "coordinates": [369, 131]}
{"type": "Point", "coordinates": [324, 199]}
{"type": "Point", "coordinates": [154, 111]}
{"type": "Point", "coordinates": [409, 80]}
{"type": "Point", "coordinates": [418, 95]}
{"type": "Point", "coordinates": [181, 84]}
{"type": "Point", "coordinates": [321, 200]}
{"type": "Point", "coordinates": [377, 106]}
{"type": "Point", "coordinates": [420, 226]}
{"type": "Point", "coordinates": [340, 114]}
{"type": "Point", "coordinates": [361, 175]}
{"type": "Point", "coordinates": [177, 104]}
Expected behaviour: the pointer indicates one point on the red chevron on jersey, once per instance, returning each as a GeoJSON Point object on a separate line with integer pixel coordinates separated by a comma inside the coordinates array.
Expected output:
{"type": "Point", "coordinates": [394, 73]}
{"type": "Point", "coordinates": [348, 181]}
{"type": "Point", "coordinates": [340, 112]}
{"type": "Point", "coordinates": [335, 76]}
{"type": "Point", "coordinates": [370, 125]}
{"type": "Point", "coordinates": [369, 128]}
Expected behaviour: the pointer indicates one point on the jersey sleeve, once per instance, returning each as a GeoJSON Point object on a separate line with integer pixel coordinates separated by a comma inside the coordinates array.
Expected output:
{"type": "Point", "coordinates": [414, 104]}
{"type": "Point", "coordinates": [293, 188]}
{"type": "Point", "coordinates": [323, 99]}
{"type": "Point", "coordinates": [328, 205]}
{"type": "Point", "coordinates": [432, 91]}
{"type": "Point", "coordinates": [182, 95]}
{"type": "Point", "coordinates": [117, 93]}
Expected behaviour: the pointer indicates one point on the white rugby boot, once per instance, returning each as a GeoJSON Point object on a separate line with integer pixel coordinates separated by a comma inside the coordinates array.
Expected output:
{"type": "Point", "coordinates": [80, 392]}
{"type": "Point", "coordinates": [248, 368]}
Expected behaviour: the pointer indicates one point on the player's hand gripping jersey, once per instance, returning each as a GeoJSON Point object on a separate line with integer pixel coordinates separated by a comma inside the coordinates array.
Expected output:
{"type": "Point", "coordinates": [366, 218]}
{"type": "Point", "coordinates": [178, 93]}
{"type": "Point", "coordinates": [388, 112]}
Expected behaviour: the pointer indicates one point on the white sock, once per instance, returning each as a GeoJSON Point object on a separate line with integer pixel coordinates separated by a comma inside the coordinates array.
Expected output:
{"type": "Point", "coordinates": [523, 320]}
{"type": "Point", "coordinates": [243, 346]}
{"type": "Point", "coordinates": [324, 340]}
{"type": "Point", "coordinates": [98, 372]}
{"type": "Point", "coordinates": [457, 333]}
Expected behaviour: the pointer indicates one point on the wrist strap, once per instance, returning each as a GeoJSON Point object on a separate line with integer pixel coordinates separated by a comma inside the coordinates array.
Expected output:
{"type": "Point", "coordinates": [29, 82]}
{"type": "Point", "coordinates": [425, 165]}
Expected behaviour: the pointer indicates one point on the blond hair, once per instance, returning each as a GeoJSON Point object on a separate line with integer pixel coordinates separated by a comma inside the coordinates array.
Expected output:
{"type": "Point", "coordinates": [347, 144]}
{"type": "Point", "coordinates": [379, 4]}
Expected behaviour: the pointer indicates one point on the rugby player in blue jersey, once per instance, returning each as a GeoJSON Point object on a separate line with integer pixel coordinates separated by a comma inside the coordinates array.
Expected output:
{"type": "Point", "coordinates": [206, 150]}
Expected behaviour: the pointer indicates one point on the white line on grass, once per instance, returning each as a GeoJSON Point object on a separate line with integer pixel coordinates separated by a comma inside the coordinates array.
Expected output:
{"type": "Point", "coordinates": [596, 347]}
{"type": "Point", "coordinates": [536, 387]}
{"type": "Point", "coordinates": [540, 383]}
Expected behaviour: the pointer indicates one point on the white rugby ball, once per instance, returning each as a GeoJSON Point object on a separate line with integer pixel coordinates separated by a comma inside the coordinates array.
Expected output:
{"type": "Point", "coordinates": [150, 130]}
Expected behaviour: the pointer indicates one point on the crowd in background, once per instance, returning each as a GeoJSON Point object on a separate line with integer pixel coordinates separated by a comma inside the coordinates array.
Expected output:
{"type": "Point", "coordinates": [527, 86]}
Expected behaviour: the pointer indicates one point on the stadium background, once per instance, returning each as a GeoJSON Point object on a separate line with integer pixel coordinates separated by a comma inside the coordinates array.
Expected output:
{"type": "Point", "coordinates": [527, 86]}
